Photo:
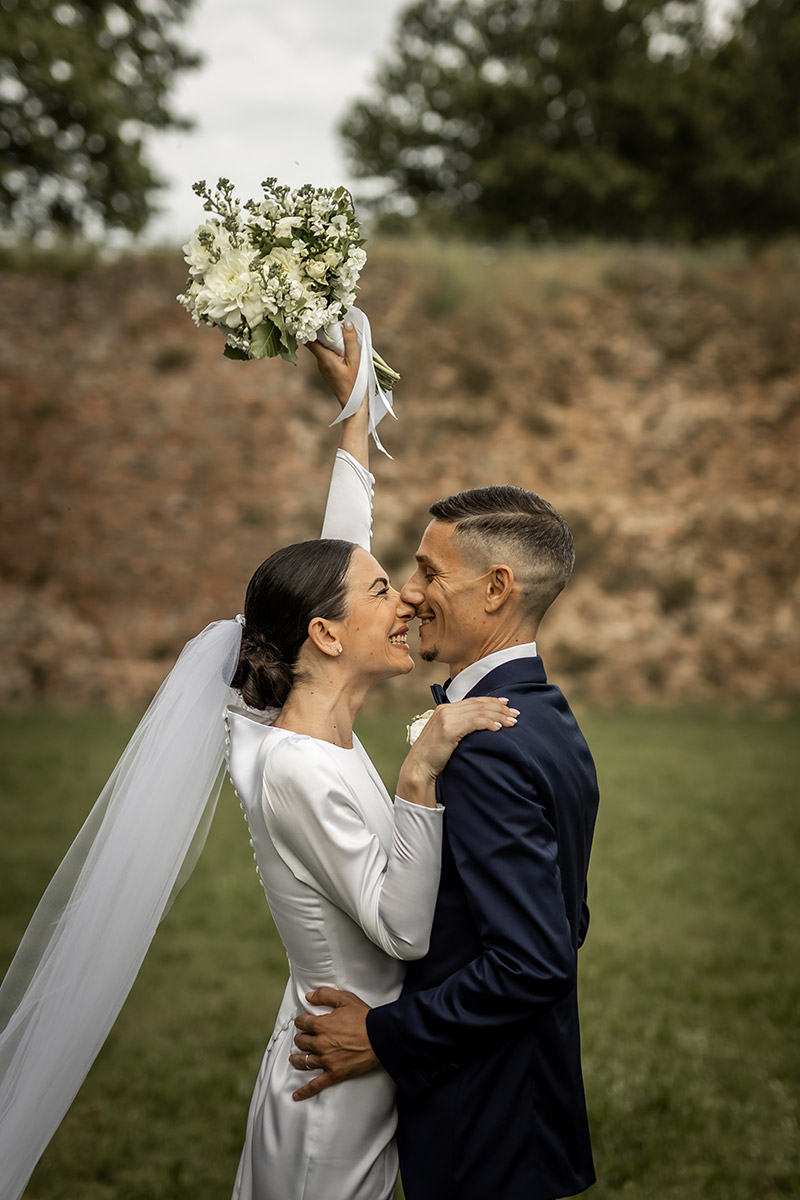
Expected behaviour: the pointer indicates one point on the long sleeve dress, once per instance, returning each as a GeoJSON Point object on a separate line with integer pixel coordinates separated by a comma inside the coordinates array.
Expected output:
{"type": "Point", "coordinates": [351, 881]}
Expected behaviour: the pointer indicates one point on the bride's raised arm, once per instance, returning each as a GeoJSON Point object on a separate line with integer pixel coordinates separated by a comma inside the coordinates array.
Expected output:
{"type": "Point", "coordinates": [348, 514]}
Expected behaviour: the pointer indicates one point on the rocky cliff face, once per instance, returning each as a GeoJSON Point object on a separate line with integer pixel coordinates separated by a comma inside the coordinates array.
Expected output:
{"type": "Point", "coordinates": [654, 401]}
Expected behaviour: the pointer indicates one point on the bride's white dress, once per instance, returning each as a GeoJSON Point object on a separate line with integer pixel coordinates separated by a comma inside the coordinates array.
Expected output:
{"type": "Point", "coordinates": [351, 881]}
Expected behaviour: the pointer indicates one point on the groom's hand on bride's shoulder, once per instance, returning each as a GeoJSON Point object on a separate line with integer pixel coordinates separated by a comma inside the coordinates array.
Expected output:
{"type": "Point", "coordinates": [335, 1044]}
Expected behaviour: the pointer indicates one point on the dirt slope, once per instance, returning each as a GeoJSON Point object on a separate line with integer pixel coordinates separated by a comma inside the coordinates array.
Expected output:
{"type": "Point", "coordinates": [654, 400]}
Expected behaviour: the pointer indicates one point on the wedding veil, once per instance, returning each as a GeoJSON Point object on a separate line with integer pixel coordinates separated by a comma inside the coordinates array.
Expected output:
{"type": "Point", "coordinates": [90, 933]}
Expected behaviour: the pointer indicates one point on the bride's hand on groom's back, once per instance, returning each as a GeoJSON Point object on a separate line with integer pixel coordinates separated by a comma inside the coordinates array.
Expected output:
{"type": "Point", "coordinates": [339, 372]}
{"type": "Point", "coordinates": [449, 723]}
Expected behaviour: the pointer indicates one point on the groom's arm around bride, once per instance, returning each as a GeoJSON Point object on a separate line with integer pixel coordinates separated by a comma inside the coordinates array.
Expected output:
{"type": "Point", "coordinates": [484, 1041]}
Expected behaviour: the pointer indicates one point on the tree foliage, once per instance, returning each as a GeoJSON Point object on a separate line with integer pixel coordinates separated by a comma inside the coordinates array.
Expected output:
{"type": "Point", "coordinates": [753, 92]}
{"type": "Point", "coordinates": [80, 83]}
{"type": "Point", "coordinates": [601, 117]}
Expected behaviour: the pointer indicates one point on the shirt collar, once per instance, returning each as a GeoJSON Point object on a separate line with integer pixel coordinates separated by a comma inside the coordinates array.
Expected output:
{"type": "Point", "coordinates": [458, 687]}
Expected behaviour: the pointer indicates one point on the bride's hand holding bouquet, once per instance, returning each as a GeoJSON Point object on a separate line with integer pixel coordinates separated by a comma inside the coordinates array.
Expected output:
{"type": "Point", "coordinates": [339, 368]}
{"type": "Point", "coordinates": [340, 371]}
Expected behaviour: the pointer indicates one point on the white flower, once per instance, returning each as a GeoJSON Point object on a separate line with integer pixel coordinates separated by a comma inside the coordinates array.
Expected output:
{"type": "Point", "coordinates": [231, 290]}
{"type": "Point", "coordinates": [189, 300]}
{"type": "Point", "coordinates": [306, 283]}
{"type": "Point", "coordinates": [268, 208]}
{"type": "Point", "coordinates": [284, 227]}
{"type": "Point", "coordinates": [284, 258]}
{"type": "Point", "coordinates": [418, 724]}
{"type": "Point", "coordinates": [199, 254]}
{"type": "Point", "coordinates": [239, 342]}
{"type": "Point", "coordinates": [345, 299]}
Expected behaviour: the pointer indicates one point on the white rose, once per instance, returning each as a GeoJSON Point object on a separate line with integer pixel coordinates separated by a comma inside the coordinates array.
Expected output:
{"type": "Point", "coordinates": [316, 270]}
{"type": "Point", "coordinates": [418, 724]}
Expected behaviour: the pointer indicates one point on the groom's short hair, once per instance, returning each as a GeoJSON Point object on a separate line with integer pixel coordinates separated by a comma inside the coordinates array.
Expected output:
{"type": "Point", "coordinates": [509, 524]}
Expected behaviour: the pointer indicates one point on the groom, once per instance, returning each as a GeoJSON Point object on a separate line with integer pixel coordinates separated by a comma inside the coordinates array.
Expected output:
{"type": "Point", "coordinates": [483, 1043]}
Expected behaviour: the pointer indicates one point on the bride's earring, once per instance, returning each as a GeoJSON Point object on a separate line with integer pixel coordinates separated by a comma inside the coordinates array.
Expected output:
{"type": "Point", "coordinates": [339, 649]}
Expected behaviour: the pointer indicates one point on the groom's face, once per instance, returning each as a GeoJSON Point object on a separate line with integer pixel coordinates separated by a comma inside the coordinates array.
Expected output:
{"type": "Point", "coordinates": [448, 594]}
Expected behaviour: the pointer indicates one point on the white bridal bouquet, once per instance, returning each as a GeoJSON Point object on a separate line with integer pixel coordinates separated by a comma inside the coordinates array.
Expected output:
{"type": "Point", "coordinates": [283, 270]}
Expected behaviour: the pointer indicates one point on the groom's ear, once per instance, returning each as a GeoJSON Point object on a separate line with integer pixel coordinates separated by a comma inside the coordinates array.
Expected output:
{"type": "Point", "coordinates": [499, 586]}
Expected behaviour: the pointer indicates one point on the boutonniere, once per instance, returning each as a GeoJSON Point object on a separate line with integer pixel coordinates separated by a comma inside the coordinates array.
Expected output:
{"type": "Point", "coordinates": [417, 725]}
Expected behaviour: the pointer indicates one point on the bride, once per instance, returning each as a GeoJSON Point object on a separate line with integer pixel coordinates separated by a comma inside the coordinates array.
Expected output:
{"type": "Point", "coordinates": [350, 878]}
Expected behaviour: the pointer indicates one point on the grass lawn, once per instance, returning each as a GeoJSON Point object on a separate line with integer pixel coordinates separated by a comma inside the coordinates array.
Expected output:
{"type": "Point", "coordinates": [689, 978]}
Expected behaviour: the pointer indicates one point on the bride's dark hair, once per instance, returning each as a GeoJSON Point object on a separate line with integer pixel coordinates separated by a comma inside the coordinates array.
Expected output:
{"type": "Point", "coordinates": [289, 589]}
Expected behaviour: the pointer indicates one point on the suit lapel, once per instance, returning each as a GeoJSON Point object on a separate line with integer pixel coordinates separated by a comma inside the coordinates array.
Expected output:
{"type": "Point", "coordinates": [519, 670]}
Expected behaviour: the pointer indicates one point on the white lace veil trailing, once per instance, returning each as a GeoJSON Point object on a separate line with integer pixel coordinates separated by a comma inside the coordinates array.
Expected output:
{"type": "Point", "coordinates": [88, 937]}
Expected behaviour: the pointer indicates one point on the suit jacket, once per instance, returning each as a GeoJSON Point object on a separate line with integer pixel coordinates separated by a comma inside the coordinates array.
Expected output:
{"type": "Point", "coordinates": [484, 1042]}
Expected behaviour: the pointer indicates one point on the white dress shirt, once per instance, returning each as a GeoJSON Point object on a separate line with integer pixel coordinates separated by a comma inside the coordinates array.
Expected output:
{"type": "Point", "coordinates": [467, 679]}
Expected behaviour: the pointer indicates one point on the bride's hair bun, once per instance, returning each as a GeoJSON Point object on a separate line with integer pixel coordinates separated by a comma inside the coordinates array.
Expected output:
{"type": "Point", "coordinates": [287, 591]}
{"type": "Point", "coordinates": [263, 676]}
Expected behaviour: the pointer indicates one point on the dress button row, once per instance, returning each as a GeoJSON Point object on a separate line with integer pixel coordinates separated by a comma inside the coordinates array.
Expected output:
{"type": "Point", "coordinates": [244, 814]}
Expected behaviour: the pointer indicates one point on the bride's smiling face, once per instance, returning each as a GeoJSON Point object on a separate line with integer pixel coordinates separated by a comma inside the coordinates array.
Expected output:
{"type": "Point", "coordinates": [374, 634]}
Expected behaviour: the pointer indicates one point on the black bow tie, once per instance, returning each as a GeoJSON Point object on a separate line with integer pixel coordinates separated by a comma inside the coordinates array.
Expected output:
{"type": "Point", "coordinates": [439, 694]}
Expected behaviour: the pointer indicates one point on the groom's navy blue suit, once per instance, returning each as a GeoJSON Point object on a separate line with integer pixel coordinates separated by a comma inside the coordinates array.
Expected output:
{"type": "Point", "coordinates": [484, 1043]}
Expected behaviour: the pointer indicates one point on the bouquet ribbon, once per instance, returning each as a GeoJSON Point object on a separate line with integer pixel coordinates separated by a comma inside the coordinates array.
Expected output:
{"type": "Point", "coordinates": [379, 401]}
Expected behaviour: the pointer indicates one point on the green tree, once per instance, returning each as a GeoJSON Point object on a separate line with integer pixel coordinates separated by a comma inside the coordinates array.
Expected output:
{"type": "Point", "coordinates": [569, 117]}
{"type": "Point", "coordinates": [751, 183]}
{"type": "Point", "coordinates": [80, 83]}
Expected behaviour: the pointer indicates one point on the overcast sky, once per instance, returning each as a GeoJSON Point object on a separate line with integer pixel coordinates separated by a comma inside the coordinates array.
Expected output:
{"type": "Point", "coordinates": [275, 81]}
